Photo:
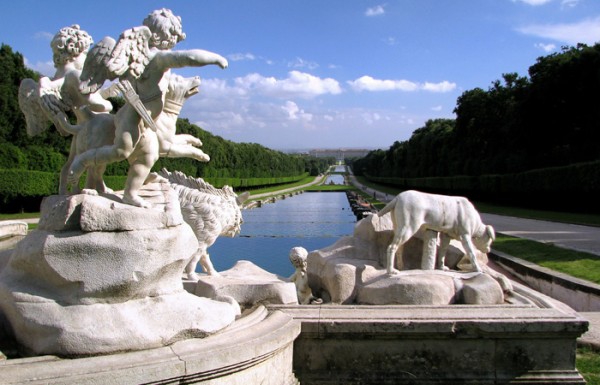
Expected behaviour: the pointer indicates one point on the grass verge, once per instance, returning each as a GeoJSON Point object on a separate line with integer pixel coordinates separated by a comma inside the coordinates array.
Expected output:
{"type": "Point", "coordinates": [588, 364]}
{"type": "Point", "coordinates": [574, 263]}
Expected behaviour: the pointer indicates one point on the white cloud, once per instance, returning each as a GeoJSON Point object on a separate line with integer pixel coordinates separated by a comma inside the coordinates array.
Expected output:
{"type": "Point", "coordinates": [375, 11]}
{"type": "Point", "coordinates": [436, 108]}
{"type": "Point", "coordinates": [297, 84]}
{"type": "Point", "coordinates": [545, 47]}
{"type": "Point", "coordinates": [368, 83]}
{"type": "Point", "coordinates": [586, 31]}
{"type": "Point", "coordinates": [444, 86]}
{"type": "Point", "coordinates": [533, 2]}
{"type": "Point", "coordinates": [295, 113]}
{"type": "Point", "coordinates": [46, 68]}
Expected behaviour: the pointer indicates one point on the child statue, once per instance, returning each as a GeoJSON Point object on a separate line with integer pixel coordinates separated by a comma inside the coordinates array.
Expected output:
{"type": "Point", "coordinates": [298, 258]}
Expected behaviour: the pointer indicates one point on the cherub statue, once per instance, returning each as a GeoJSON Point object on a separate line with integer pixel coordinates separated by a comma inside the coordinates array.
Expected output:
{"type": "Point", "coordinates": [298, 258]}
{"type": "Point", "coordinates": [139, 60]}
{"type": "Point", "coordinates": [49, 99]}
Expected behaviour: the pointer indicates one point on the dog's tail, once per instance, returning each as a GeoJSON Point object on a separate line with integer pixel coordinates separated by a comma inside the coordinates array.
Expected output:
{"type": "Point", "coordinates": [389, 207]}
{"type": "Point", "coordinates": [64, 127]}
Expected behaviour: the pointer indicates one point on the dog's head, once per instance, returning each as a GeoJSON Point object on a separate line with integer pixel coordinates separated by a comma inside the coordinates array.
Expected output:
{"type": "Point", "coordinates": [483, 243]}
{"type": "Point", "coordinates": [181, 88]}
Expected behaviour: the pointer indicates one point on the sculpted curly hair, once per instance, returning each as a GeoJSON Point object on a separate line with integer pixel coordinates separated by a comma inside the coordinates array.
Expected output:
{"type": "Point", "coordinates": [166, 28]}
{"type": "Point", "coordinates": [298, 255]}
{"type": "Point", "coordinates": [68, 43]}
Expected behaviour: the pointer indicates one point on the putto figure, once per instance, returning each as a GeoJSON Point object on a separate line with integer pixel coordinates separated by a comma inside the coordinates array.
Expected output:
{"type": "Point", "coordinates": [49, 99]}
{"type": "Point", "coordinates": [141, 61]}
{"type": "Point", "coordinates": [298, 257]}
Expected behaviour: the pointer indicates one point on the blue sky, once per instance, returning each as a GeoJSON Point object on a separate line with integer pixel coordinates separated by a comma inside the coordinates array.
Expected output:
{"type": "Point", "coordinates": [327, 73]}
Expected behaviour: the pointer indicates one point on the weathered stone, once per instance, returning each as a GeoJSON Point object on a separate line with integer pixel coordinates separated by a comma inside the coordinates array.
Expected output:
{"type": "Point", "coordinates": [414, 287]}
{"type": "Point", "coordinates": [76, 292]}
{"type": "Point", "coordinates": [482, 289]}
{"type": "Point", "coordinates": [248, 285]}
{"type": "Point", "coordinates": [352, 269]}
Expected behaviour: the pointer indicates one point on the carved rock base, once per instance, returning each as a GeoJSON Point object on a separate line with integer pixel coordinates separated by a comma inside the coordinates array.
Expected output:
{"type": "Point", "coordinates": [99, 276]}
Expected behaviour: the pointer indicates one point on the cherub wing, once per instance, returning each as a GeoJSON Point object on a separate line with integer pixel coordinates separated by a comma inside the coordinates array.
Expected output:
{"type": "Point", "coordinates": [36, 118]}
{"type": "Point", "coordinates": [131, 53]}
{"type": "Point", "coordinates": [95, 68]}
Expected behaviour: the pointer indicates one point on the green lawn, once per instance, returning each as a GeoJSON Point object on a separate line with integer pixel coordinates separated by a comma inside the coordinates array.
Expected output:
{"type": "Point", "coordinates": [588, 364]}
{"type": "Point", "coordinates": [574, 263]}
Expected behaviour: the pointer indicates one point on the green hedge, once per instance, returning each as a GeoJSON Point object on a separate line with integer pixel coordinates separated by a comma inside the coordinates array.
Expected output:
{"type": "Point", "coordinates": [573, 187]}
{"type": "Point", "coordinates": [23, 190]}
{"type": "Point", "coordinates": [242, 183]}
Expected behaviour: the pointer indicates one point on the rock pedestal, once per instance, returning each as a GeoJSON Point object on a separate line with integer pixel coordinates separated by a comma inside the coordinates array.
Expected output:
{"type": "Point", "coordinates": [352, 270]}
{"type": "Point", "coordinates": [99, 276]}
{"type": "Point", "coordinates": [247, 284]}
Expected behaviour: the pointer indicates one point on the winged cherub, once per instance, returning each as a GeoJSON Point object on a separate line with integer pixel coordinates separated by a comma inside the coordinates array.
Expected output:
{"type": "Point", "coordinates": [52, 97]}
{"type": "Point", "coordinates": [139, 60]}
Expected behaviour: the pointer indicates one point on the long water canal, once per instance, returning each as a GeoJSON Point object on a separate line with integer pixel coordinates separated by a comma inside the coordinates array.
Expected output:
{"type": "Point", "coordinates": [311, 220]}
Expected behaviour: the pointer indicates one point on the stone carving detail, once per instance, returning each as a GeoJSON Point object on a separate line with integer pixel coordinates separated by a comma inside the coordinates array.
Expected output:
{"type": "Point", "coordinates": [140, 60]}
{"type": "Point", "coordinates": [99, 276]}
{"type": "Point", "coordinates": [49, 99]}
{"type": "Point", "coordinates": [353, 270]}
{"type": "Point", "coordinates": [300, 278]}
{"type": "Point", "coordinates": [453, 217]}
{"type": "Point", "coordinates": [210, 212]}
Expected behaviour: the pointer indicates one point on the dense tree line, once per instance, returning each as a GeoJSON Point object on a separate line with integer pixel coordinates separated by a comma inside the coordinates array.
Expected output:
{"type": "Point", "coordinates": [48, 151]}
{"type": "Point", "coordinates": [549, 119]}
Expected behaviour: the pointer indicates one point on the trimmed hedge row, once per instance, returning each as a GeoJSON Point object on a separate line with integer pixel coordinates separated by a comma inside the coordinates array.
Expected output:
{"type": "Point", "coordinates": [253, 182]}
{"type": "Point", "coordinates": [23, 190]}
{"type": "Point", "coordinates": [573, 187]}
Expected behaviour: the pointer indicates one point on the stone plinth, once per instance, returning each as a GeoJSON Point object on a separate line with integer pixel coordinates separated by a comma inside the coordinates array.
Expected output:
{"type": "Point", "coordinates": [450, 345]}
{"type": "Point", "coordinates": [99, 276]}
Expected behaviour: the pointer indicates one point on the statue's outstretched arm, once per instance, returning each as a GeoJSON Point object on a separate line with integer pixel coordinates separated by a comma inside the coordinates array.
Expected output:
{"type": "Point", "coordinates": [188, 58]}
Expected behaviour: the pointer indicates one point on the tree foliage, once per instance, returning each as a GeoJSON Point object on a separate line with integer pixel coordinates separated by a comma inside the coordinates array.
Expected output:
{"type": "Point", "coordinates": [550, 119]}
{"type": "Point", "coordinates": [49, 151]}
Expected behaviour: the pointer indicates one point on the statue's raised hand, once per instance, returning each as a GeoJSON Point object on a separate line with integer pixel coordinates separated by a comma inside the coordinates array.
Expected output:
{"type": "Point", "coordinates": [222, 62]}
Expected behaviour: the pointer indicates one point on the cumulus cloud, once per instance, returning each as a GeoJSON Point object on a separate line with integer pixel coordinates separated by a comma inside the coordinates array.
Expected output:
{"type": "Point", "coordinates": [375, 11]}
{"type": "Point", "coordinates": [295, 113]}
{"type": "Point", "coordinates": [444, 86]}
{"type": "Point", "coordinates": [297, 84]}
{"type": "Point", "coordinates": [368, 83]}
{"type": "Point", "coordinates": [586, 31]}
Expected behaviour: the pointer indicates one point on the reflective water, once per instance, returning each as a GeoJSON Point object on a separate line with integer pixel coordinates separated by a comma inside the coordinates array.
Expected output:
{"type": "Point", "coordinates": [334, 179]}
{"type": "Point", "coordinates": [310, 220]}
